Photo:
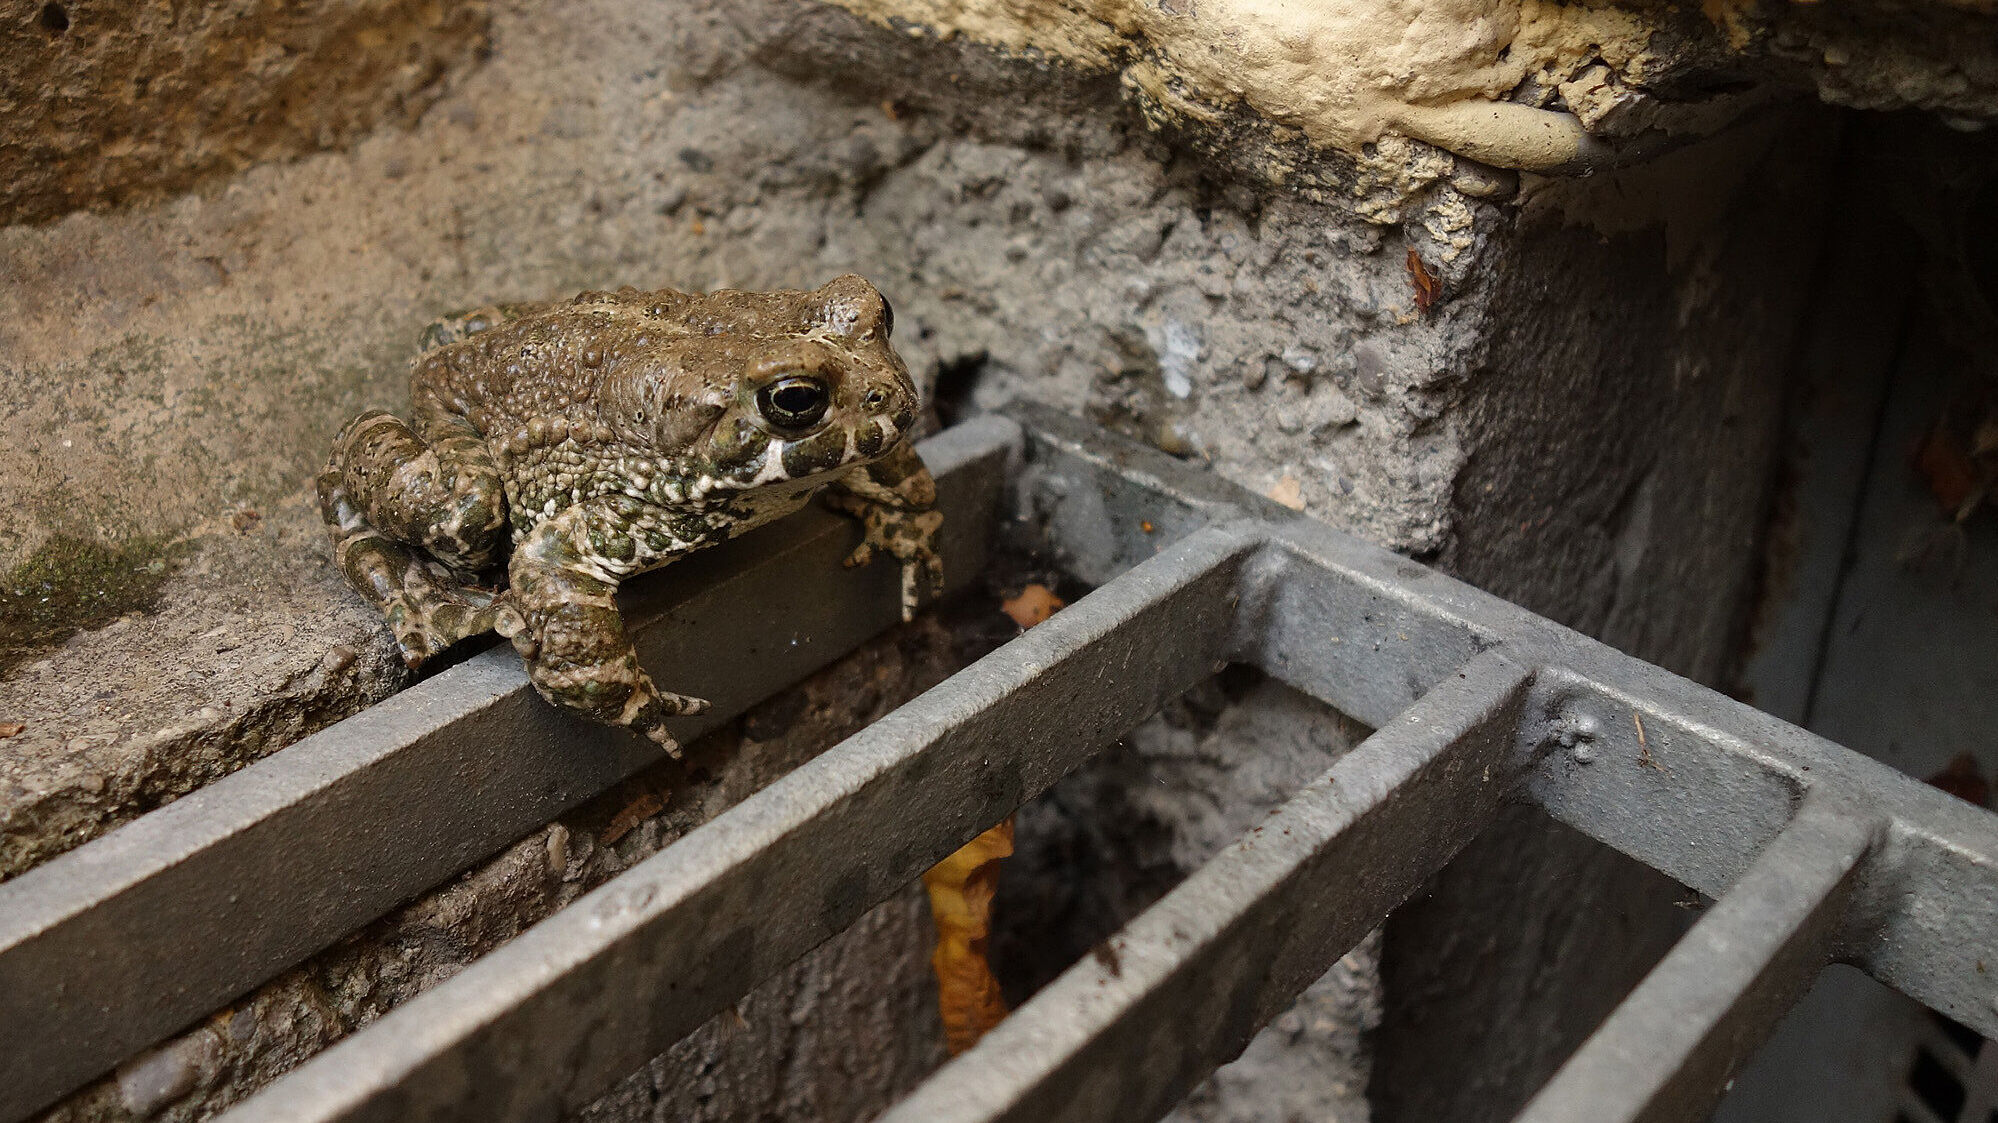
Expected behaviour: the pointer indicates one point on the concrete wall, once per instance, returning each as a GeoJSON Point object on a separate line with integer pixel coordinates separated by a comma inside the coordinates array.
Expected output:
{"type": "Point", "coordinates": [1581, 419]}
{"type": "Point", "coordinates": [1631, 416]}
{"type": "Point", "coordinates": [111, 103]}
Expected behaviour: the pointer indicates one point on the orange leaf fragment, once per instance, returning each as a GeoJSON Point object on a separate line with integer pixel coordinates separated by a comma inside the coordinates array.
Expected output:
{"type": "Point", "coordinates": [1034, 604]}
{"type": "Point", "coordinates": [1288, 491]}
{"type": "Point", "coordinates": [1428, 289]}
{"type": "Point", "coordinates": [11, 729]}
{"type": "Point", "coordinates": [1963, 779]}
{"type": "Point", "coordinates": [637, 811]}
{"type": "Point", "coordinates": [1948, 471]}
{"type": "Point", "coordinates": [961, 889]}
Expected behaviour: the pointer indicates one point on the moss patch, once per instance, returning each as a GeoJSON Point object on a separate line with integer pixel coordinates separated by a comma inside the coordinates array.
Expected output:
{"type": "Point", "coordinates": [72, 583]}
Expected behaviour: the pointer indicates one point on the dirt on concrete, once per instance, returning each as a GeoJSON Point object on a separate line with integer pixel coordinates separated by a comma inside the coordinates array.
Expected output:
{"type": "Point", "coordinates": [106, 103]}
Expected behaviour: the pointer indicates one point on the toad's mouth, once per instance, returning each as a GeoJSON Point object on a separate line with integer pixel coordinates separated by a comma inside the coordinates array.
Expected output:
{"type": "Point", "coordinates": [810, 460]}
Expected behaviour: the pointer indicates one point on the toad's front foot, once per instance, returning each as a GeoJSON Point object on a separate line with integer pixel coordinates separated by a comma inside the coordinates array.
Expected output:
{"type": "Point", "coordinates": [593, 675]}
{"type": "Point", "coordinates": [910, 538]}
{"type": "Point", "coordinates": [895, 500]}
{"type": "Point", "coordinates": [563, 619]}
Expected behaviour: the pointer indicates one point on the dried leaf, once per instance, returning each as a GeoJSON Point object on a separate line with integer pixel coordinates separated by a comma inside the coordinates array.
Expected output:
{"type": "Point", "coordinates": [1034, 604]}
{"type": "Point", "coordinates": [961, 889]}
{"type": "Point", "coordinates": [1984, 442]}
{"type": "Point", "coordinates": [637, 811]}
{"type": "Point", "coordinates": [1428, 289]}
{"type": "Point", "coordinates": [1945, 468]}
{"type": "Point", "coordinates": [1963, 779]}
{"type": "Point", "coordinates": [11, 729]}
{"type": "Point", "coordinates": [1288, 491]}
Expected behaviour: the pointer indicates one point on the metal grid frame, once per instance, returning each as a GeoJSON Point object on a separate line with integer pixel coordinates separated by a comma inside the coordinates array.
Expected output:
{"type": "Point", "coordinates": [1812, 852]}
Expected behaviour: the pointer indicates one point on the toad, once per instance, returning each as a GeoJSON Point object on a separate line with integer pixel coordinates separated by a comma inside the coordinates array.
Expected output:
{"type": "Point", "coordinates": [555, 449]}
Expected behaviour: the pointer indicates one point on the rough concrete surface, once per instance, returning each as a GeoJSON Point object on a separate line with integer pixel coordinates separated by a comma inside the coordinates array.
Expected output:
{"type": "Point", "coordinates": [1519, 84]}
{"type": "Point", "coordinates": [169, 365]}
{"type": "Point", "coordinates": [1634, 387]}
{"type": "Point", "coordinates": [106, 102]}
{"type": "Point", "coordinates": [250, 645]}
{"type": "Point", "coordinates": [1578, 418]}
{"type": "Point", "coordinates": [1633, 408]}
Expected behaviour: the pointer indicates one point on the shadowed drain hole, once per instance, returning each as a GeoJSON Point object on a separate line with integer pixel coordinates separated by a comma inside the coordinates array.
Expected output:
{"type": "Point", "coordinates": [1980, 233]}
{"type": "Point", "coordinates": [55, 18]}
{"type": "Point", "coordinates": [1962, 1036]}
{"type": "Point", "coordinates": [1932, 1083]}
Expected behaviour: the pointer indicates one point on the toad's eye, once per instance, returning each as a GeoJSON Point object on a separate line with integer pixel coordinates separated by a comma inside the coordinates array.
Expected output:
{"type": "Point", "coordinates": [887, 317]}
{"type": "Point", "coordinates": [794, 403]}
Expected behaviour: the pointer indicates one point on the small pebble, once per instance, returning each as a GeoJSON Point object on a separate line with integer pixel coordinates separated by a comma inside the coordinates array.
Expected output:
{"type": "Point", "coordinates": [558, 850]}
{"type": "Point", "coordinates": [153, 1080]}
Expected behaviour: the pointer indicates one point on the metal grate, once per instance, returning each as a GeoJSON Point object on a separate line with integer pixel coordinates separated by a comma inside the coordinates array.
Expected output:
{"type": "Point", "coordinates": [1812, 852]}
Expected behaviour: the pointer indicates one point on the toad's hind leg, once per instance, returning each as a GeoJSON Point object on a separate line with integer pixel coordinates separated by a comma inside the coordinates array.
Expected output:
{"type": "Point", "coordinates": [426, 607]}
{"type": "Point", "coordinates": [412, 521]}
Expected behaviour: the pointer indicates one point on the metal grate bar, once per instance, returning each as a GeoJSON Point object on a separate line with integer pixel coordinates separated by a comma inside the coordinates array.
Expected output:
{"type": "Point", "coordinates": [1681, 778]}
{"type": "Point", "coordinates": [338, 828]}
{"type": "Point", "coordinates": [1666, 1051]}
{"type": "Point", "coordinates": [585, 997]}
{"type": "Point", "coordinates": [1927, 903]}
{"type": "Point", "coordinates": [115, 945]}
{"type": "Point", "coordinates": [1124, 1034]}
{"type": "Point", "coordinates": [1687, 781]}
{"type": "Point", "coordinates": [1365, 643]}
